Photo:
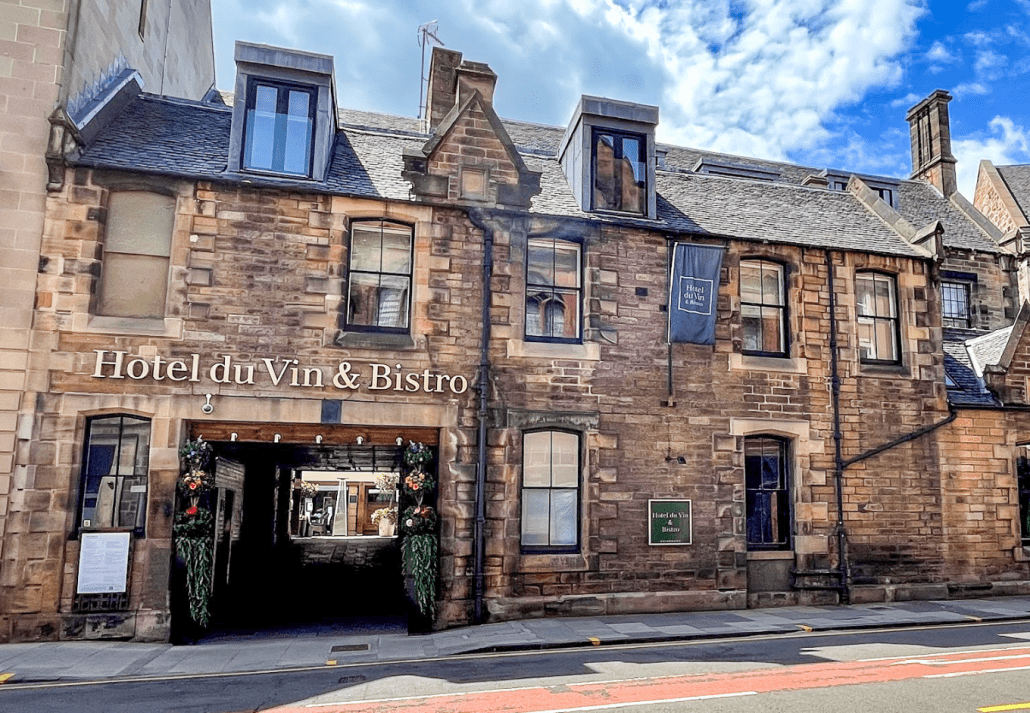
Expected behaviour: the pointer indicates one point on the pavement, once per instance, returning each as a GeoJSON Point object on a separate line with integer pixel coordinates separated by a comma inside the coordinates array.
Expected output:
{"type": "Point", "coordinates": [382, 640]}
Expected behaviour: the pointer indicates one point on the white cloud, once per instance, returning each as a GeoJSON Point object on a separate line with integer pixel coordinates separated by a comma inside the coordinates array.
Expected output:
{"type": "Point", "coordinates": [939, 53]}
{"type": "Point", "coordinates": [1005, 142]}
{"type": "Point", "coordinates": [970, 89]}
{"type": "Point", "coordinates": [976, 5]}
{"type": "Point", "coordinates": [908, 101]}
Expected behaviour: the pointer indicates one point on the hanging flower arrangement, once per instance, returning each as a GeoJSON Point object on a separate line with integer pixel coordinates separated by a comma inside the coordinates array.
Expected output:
{"type": "Point", "coordinates": [194, 531]}
{"type": "Point", "coordinates": [194, 527]}
{"type": "Point", "coordinates": [307, 490]}
{"type": "Point", "coordinates": [196, 455]}
{"type": "Point", "coordinates": [418, 524]}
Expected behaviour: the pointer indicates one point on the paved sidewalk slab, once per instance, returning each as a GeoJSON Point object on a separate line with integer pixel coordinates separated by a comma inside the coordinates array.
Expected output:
{"type": "Point", "coordinates": [312, 646]}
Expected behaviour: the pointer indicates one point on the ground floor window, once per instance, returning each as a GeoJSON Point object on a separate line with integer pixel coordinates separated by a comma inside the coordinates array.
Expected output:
{"type": "Point", "coordinates": [550, 491]}
{"type": "Point", "coordinates": [114, 473]}
{"type": "Point", "coordinates": [1023, 484]}
{"type": "Point", "coordinates": [767, 485]}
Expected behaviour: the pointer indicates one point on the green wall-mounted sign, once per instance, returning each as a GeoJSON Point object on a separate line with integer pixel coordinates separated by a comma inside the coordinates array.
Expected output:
{"type": "Point", "coordinates": [669, 522]}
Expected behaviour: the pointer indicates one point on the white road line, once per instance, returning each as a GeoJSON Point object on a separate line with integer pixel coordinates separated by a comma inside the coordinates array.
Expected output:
{"type": "Point", "coordinates": [948, 662]}
{"type": "Point", "coordinates": [974, 673]}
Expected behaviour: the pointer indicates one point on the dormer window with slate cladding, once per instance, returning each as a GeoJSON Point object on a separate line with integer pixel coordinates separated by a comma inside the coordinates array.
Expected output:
{"type": "Point", "coordinates": [283, 121]}
{"type": "Point", "coordinates": [608, 156]}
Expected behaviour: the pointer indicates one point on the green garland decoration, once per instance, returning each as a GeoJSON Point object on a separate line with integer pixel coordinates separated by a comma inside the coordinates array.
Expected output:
{"type": "Point", "coordinates": [418, 524]}
{"type": "Point", "coordinates": [420, 562]}
{"type": "Point", "coordinates": [194, 530]}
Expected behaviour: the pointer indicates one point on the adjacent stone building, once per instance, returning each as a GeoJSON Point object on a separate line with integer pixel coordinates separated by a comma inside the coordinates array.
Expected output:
{"type": "Point", "coordinates": [310, 287]}
{"type": "Point", "coordinates": [62, 55]}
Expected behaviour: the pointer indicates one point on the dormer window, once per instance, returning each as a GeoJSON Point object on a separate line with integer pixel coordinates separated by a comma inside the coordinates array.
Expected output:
{"type": "Point", "coordinates": [284, 116]}
{"type": "Point", "coordinates": [885, 189]}
{"type": "Point", "coordinates": [608, 157]}
{"type": "Point", "coordinates": [279, 128]}
{"type": "Point", "coordinates": [620, 172]}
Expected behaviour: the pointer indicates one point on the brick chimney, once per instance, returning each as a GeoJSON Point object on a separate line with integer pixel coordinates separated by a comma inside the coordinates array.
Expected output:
{"type": "Point", "coordinates": [930, 133]}
{"type": "Point", "coordinates": [451, 81]}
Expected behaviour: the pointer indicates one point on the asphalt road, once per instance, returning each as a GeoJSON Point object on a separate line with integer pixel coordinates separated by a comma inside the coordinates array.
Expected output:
{"type": "Point", "coordinates": [976, 667]}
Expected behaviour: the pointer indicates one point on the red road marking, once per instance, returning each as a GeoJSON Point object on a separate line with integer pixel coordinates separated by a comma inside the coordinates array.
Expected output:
{"type": "Point", "coordinates": [610, 694]}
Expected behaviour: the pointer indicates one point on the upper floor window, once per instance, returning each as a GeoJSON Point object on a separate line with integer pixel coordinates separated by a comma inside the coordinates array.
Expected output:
{"type": "Point", "coordinates": [763, 307]}
{"type": "Point", "coordinates": [279, 128]}
{"type": "Point", "coordinates": [955, 304]}
{"type": "Point", "coordinates": [116, 462]}
{"type": "Point", "coordinates": [878, 333]}
{"type": "Point", "coordinates": [379, 279]}
{"type": "Point", "coordinates": [767, 493]}
{"type": "Point", "coordinates": [137, 249]}
{"type": "Point", "coordinates": [550, 491]}
{"type": "Point", "coordinates": [619, 171]}
{"type": "Point", "coordinates": [553, 290]}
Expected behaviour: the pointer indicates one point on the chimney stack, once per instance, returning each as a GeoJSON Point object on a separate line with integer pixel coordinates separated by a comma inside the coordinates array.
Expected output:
{"type": "Point", "coordinates": [451, 81]}
{"type": "Point", "coordinates": [930, 133]}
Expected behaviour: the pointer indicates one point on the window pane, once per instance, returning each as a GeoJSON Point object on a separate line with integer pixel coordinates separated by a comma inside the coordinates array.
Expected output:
{"type": "Point", "coordinates": [864, 290]}
{"type": "Point", "coordinates": [563, 518]}
{"type": "Point", "coordinates": [363, 299]}
{"type": "Point", "coordinates": [866, 339]}
{"type": "Point", "coordinates": [536, 459]}
{"type": "Point", "coordinates": [134, 458]}
{"type": "Point", "coordinates": [366, 247]}
{"type": "Point", "coordinates": [632, 177]}
{"type": "Point", "coordinates": [566, 263]}
{"type": "Point", "coordinates": [396, 250]}
{"type": "Point", "coordinates": [140, 223]}
{"type": "Point", "coordinates": [133, 285]}
{"type": "Point", "coordinates": [261, 128]}
{"type": "Point", "coordinates": [564, 460]}
{"type": "Point", "coordinates": [884, 297]}
{"type": "Point", "coordinates": [535, 517]}
{"type": "Point", "coordinates": [132, 502]}
{"type": "Point", "coordinates": [751, 322]}
{"type": "Point", "coordinates": [750, 282]}
{"type": "Point", "coordinates": [540, 259]}
{"type": "Point", "coordinates": [298, 134]}
{"type": "Point", "coordinates": [605, 186]}
{"type": "Point", "coordinates": [885, 345]}
{"type": "Point", "coordinates": [767, 486]}
{"type": "Point", "coordinates": [771, 332]}
{"type": "Point", "coordinates": [393, 301]}
{"type": "Point", "coordinates": [772, 284]}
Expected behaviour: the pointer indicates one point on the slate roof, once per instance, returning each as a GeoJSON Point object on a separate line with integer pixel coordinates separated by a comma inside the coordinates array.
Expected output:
{"type": "Point", "coordinates": [968, 389]}
{"type": "Point", "coordinates": [987, 349]}
{"type": "Point", "coordinates": [1017, 178]}
{"type": "Point", "coordinates": [190, 139]}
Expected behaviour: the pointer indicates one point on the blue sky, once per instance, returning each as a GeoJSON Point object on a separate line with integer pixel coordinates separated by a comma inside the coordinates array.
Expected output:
{"type": "Point", "coordinates": [819, 82]}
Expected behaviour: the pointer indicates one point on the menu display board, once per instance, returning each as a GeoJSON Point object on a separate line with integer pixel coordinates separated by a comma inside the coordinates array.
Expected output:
{"type": "Point", "coordinates": [103, 562]}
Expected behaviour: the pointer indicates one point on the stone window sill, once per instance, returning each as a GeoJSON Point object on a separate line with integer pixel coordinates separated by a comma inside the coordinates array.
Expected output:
{"type": "Point", "coordinates": [553, 563]}
{"type": "Point", "coordinates": [168, 327]}
{"type": "Point", "coordinates": [744, 362]}
{"type": "Point", "coordinates": [865, 369]}
{"type": "Point", "coordinates": [374, 340]}
{"type": "Point", "coordinates": [771, 555]}
{"type": "Point", "coordinates": [587, 351]}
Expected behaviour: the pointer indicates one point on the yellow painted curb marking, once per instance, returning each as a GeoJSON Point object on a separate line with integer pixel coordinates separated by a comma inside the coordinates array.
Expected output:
{"type": "Point", "coordinates": [595, 641]}
{"type": "Point", "coordinates": [4, 677]}
{"type": "Point", "coordinates": [330, 662]}
{"type": "Point", "coordinates": [804, 628]}
{"type": "Point", "coordinates": [1010, 707]}
{"type": "Point", "coordinates": [976, 618]}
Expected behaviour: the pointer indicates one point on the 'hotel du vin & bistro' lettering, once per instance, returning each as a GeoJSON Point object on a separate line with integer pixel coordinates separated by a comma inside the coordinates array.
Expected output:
{"type": "Point", "coordinates": [285, 372]}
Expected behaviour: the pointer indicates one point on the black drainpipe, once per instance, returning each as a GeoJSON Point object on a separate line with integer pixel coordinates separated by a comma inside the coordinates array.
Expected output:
{"type": "Point", "coordinates": [838, 457]}
{"type": "Point", "coordinates": [483, 384]}
{"type": "Point", "coordinates": [839, 463]}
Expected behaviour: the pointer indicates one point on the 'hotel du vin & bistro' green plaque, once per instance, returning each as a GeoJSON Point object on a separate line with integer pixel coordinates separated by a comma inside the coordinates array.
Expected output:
{"type": "Point", "coordinates": [669, 522]}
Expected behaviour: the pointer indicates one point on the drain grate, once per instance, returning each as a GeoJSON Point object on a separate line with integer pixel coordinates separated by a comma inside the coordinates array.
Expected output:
{"type": "Point", "coordinates": [349, 647]}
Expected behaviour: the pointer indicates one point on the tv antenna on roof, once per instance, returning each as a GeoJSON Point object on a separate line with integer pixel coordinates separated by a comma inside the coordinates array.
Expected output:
{"type": "Point", "coordinates": [426, 33]}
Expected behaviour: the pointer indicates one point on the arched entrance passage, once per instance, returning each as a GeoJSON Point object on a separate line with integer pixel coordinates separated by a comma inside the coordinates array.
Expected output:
{"type": "Point", "coordinates": [294, 542]}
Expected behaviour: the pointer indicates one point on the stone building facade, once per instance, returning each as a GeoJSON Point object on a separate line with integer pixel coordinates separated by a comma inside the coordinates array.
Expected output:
{"type": "Point", "coordinates": [501, 292]}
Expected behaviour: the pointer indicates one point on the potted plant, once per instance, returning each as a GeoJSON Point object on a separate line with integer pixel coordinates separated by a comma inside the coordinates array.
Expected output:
{"type": "Point", "coordinates": [386, 520]}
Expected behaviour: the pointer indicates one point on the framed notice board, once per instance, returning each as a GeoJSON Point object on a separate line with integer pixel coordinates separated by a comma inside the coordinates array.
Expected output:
{"type": "Point", "coordinates": [669, 522]}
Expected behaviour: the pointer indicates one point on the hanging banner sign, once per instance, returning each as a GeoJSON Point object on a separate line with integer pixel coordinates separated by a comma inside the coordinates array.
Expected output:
{"type": "Point", "coordinates": [693, 289]}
